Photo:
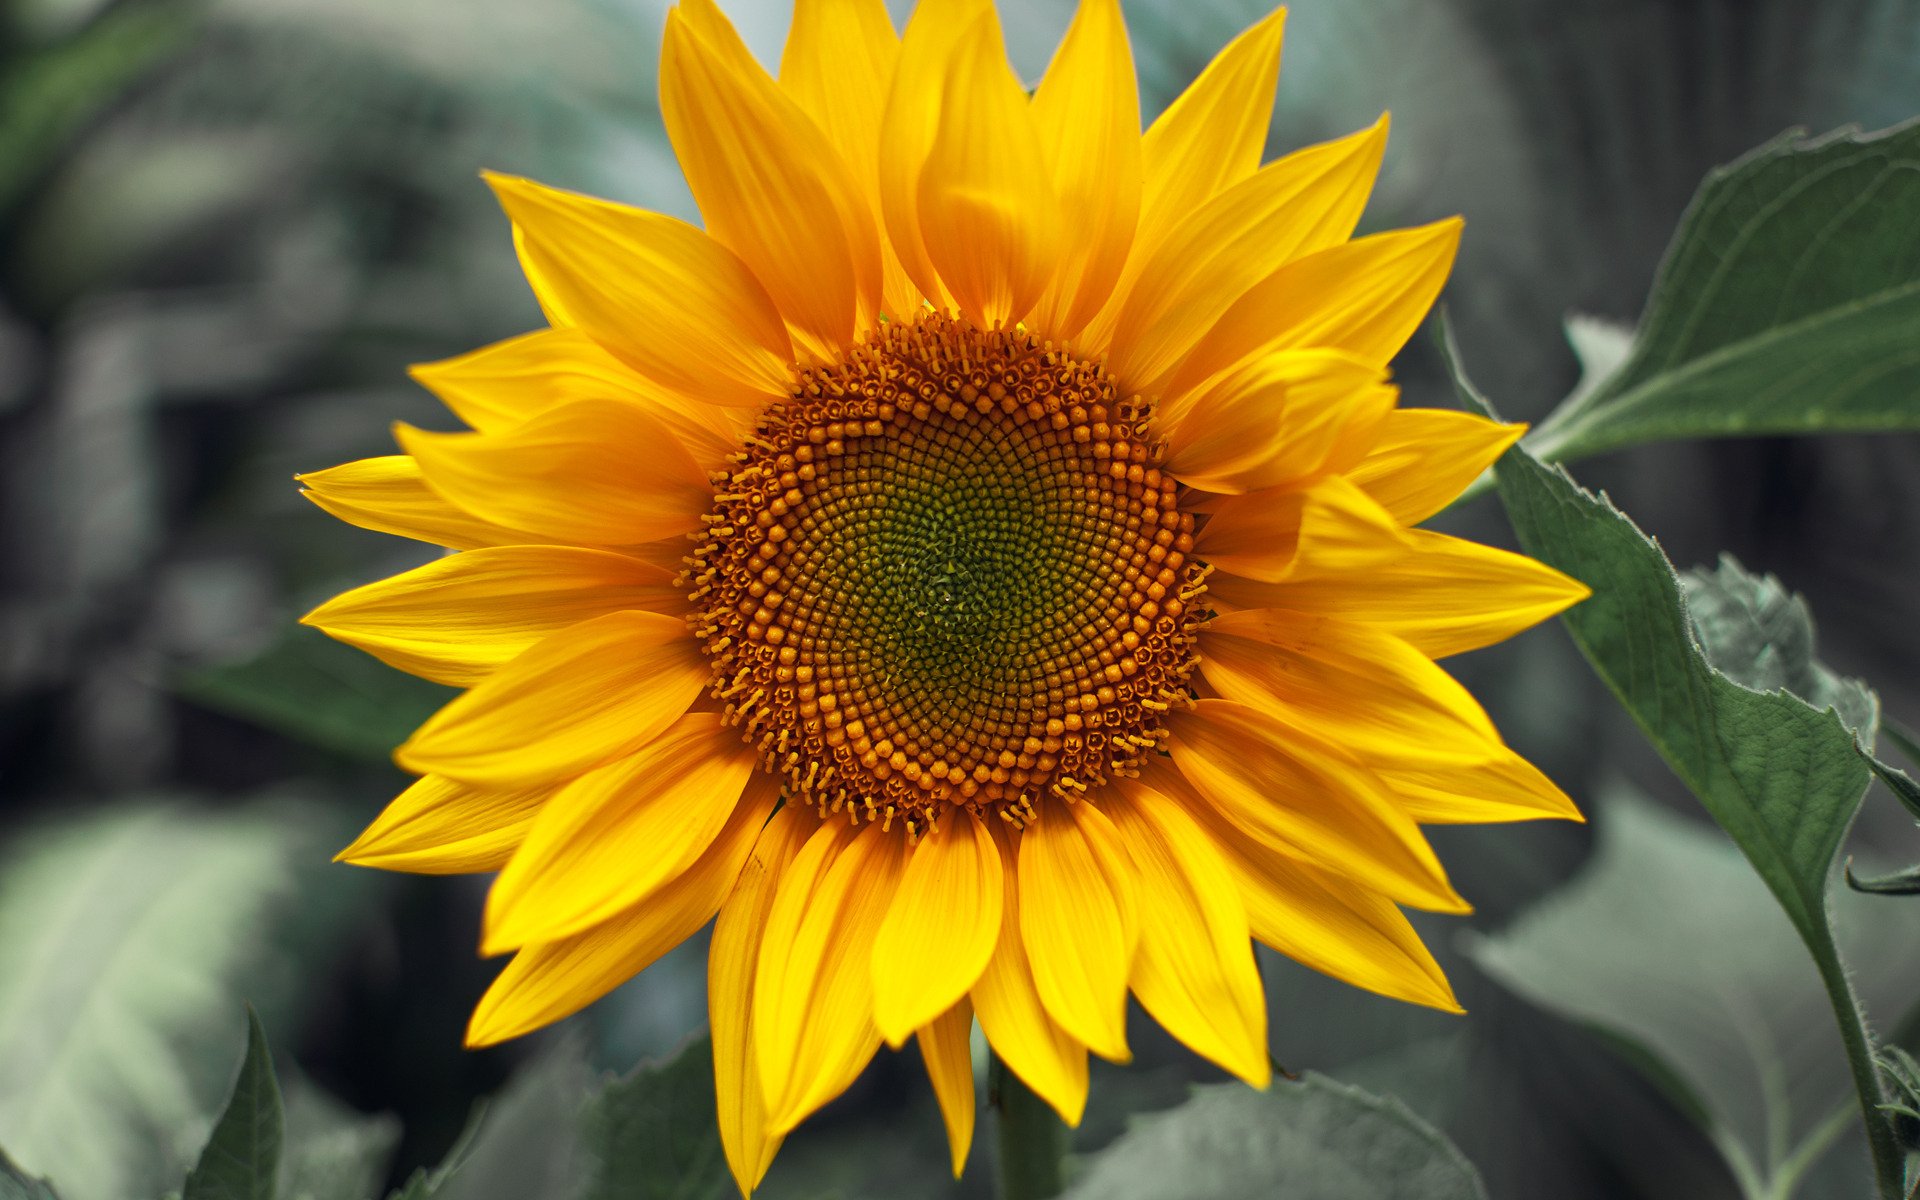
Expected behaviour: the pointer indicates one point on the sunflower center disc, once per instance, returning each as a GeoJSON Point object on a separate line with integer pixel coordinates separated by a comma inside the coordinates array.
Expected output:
{"type": "Point", "coordinates": [948, 571]}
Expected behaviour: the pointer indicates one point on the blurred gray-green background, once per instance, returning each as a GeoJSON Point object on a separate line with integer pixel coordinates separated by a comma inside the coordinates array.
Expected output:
{"type": "Point", "coordinates": [227, 227]}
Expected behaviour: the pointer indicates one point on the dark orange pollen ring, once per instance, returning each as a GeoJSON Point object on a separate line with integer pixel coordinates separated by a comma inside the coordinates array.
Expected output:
{"type": "Point", "coordinates": [949, 571]}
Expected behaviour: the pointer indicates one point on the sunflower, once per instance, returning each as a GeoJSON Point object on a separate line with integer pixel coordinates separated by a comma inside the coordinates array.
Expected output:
{"type": "Point", "coordinates": [981, 567]}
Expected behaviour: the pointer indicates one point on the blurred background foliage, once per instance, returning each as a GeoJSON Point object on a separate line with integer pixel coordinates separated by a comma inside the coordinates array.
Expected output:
{"type": "Point", "coordinates": [226, 226]}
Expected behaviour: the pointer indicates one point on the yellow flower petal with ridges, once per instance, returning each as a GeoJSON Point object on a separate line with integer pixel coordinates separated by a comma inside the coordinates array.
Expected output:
{"type": "Point", "coordinates": [1033, 1045]}
{"type": "Point", "coordinates": [944, 1047]}
{"type": "Point", "coordinates": [772, 188]}
{"type": "Point", "coordinates": [1087, 113]}
{"type": "Point", "coordinates": [1013, 505]}
{"type": "Point", "coordinates": [440, 827]}
{"type": "Point", "coordinates": [813, 1024]}
{"type": "Point", "coordinates": [620, 832]}
{"type": "Point", "coordinates": [838, 66]}
{"type": "Point", "coordinates": [941, 929]}
{"type": "Point", "coordinates": [1194, 970]}
{"type": "Point", "coordinates": [581, 697]}
{"type": "Point", "coordinates": [685, 312]}
{"type": "Point", "coordinates": [1079, 923]}
{"type": "Point", "coordinates": [1288, 790]}
{"type": "Point", "coordinates": [456, 620]}
{"type": "Point", "coordinates": [1424, 457]}
{"type": "Point", "coordinates": [390, 495]}
{"type": "Point", "coordinates": [550, 980]}
{"type": "Point", "coordinates": [733, 962]}
{"type": "Point", "coordinates": [503, 385]}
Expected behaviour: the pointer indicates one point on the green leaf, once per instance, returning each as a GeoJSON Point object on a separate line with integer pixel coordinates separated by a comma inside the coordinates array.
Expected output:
{"type": "Point", "coordinates": [16, 1184]}
{"type": "Point", "coordinates": [1786, 305]}
{"type": "Point", "coordinates": [1669, 945]}
{"type": "Point", "coordinates": [1312, 1138]}
{"type": "Point", "coordinates": [241, 1160]}
{"type": "Point", "coordinates": [654, 1135]}
{"type": "Point", "coordinates": [311, 688]}
{"type": "Point", "coordinates": [1780, 776]}
{"type": "Point", "coordinates": [331, 1152]}
{"type": "Point", "coordinates": [127, 940]}
{"type": "Point", "coordinates": [523, 1142]}
{"type": "Point", "coordinates": [1760, 636]}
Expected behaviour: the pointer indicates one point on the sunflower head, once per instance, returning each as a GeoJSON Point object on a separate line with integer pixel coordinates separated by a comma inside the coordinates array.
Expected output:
{"type": "Point", "coordinates": [980, 567]}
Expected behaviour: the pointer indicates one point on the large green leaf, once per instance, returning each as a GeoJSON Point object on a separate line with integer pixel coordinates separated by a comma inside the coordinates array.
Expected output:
{"type": "Point", "coordinates": [1787, 304]}
{"type": "Point", "coordinates": [1778, 774]}
{"type": "Point", "coordinates": [1312, 1138]}
{"type": "Point", "coordinates": [128, 939]}
{"type": "Point", "coordinates": [1668, 943]}
{"type": "Point", "coordinates": [653, 1135]}
{"type": "Point", "coordinates": [241, 1160]}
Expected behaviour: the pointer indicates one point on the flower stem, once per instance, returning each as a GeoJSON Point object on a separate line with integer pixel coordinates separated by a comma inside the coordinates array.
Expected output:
{"type": "Point", "coordinates": [1889, 1165]}
{"type": "Point", "coordinates": [1033, 1140]}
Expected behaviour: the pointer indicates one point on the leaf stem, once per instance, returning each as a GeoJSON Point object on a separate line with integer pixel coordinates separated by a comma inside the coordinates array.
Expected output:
{"type": "Point", "coordinates": [1889, 1163]}
{"type": "Point", "coordinates": [1033, 1140]}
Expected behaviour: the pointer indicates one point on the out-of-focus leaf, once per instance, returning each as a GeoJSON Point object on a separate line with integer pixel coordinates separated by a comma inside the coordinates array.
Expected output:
{"type": "Point", "coordinates": [1759, 635]}
{"type": "Point", "coordinates": [127, 940]}
{"type": "Point", "coordinates": [16, 1184]}
{"type": "Point", "coordinates": [318, 691]}
{"type": "Point", "coordinates": [653, 1135]}
{"type": "Point", "coordinates": [524, 1141]}
{"type": "Point", "coordinates": [1313, 1138]}
{"type": "Point", "coordinates": [241, 1160]}
{"type": "Point", "coordinates": [46, 96]}
{"type": "Point", "coordinates": [330, 1151]}
{"type": "Point", "coordinates": [1668, 943]}
{"type": "Point", "coordinates": [1780, 776]}
{"type": "Point", "coordinates": [1786, 305]}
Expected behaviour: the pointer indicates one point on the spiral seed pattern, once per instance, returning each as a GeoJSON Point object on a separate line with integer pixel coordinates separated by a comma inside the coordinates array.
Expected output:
{"type": "Point", "coordinates": [949, 571]}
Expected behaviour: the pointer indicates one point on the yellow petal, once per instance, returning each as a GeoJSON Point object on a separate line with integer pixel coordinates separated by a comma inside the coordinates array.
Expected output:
{"type": "Point", "coordinates": [580, 698]}
{"type": "Point", "coordinates": [597, 471]}
{"type": "Point", "coordinates": [1329, 527]}
{"type": "Point", "coordinates": [1195, 971]}
{"type": "Point", "coordinates": [838, 66]}
{"type": "Point", "coordinates": [498, 387]}
{"type": "Point", "coordinates": [1424, 457]}
{"type": "Point", "coordinates": [551, 980]}
{"type": "Point", "coordinates": [1087, 113]}
{"type": "Point", "coordinates": [1365, 297]}
{"type": "Point", "coordinates": [1078, 922]}
{"type": "Point", "coordinates": [1306, 202]}
{"type": "Point", "coordinates": [1214, 134]}
{"type": "Point", "coordinates": [612, 837]}
{"type": "Point", "coordinates": [944, 1047]}
{"type": "Point", "coordinates": [771, 187]}
{"type": "Point", "coordinates": [1363, 689]}
{"type": "Point", "coordinates": [440, 827]}
{"type": "Point", "coordinates": [733, 961]}
{"type": "Point", "coordinates": [1509, 788]}
{"type": "Point", "coordinates": [659, 294]}
{"type": "Point", "coordinates": [813, 1027]}
{"type": "Point", "coordinates": [457, 619]}
{"type": "Point", "coordinates": [389, 494]}
{"type": "Point", "coordinates": [987, 213]}
{"type": "Point", "coordinates": [1274, 420]}
{"type": "Point", "coordinates": [1444, 597]}
{"type": "Point", "coordinates": [1032, 1044]}
{"type": "Point", "coordinates": [1315, 917]}
{"type": "Point", "coordinates": [941, 929]}
{"type": "Point", "coordinates": [1308, 798]}
{"type": "Point", "coordinates": [551, 305]}
{"type": "Point", "coordinates": [912, 122]}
